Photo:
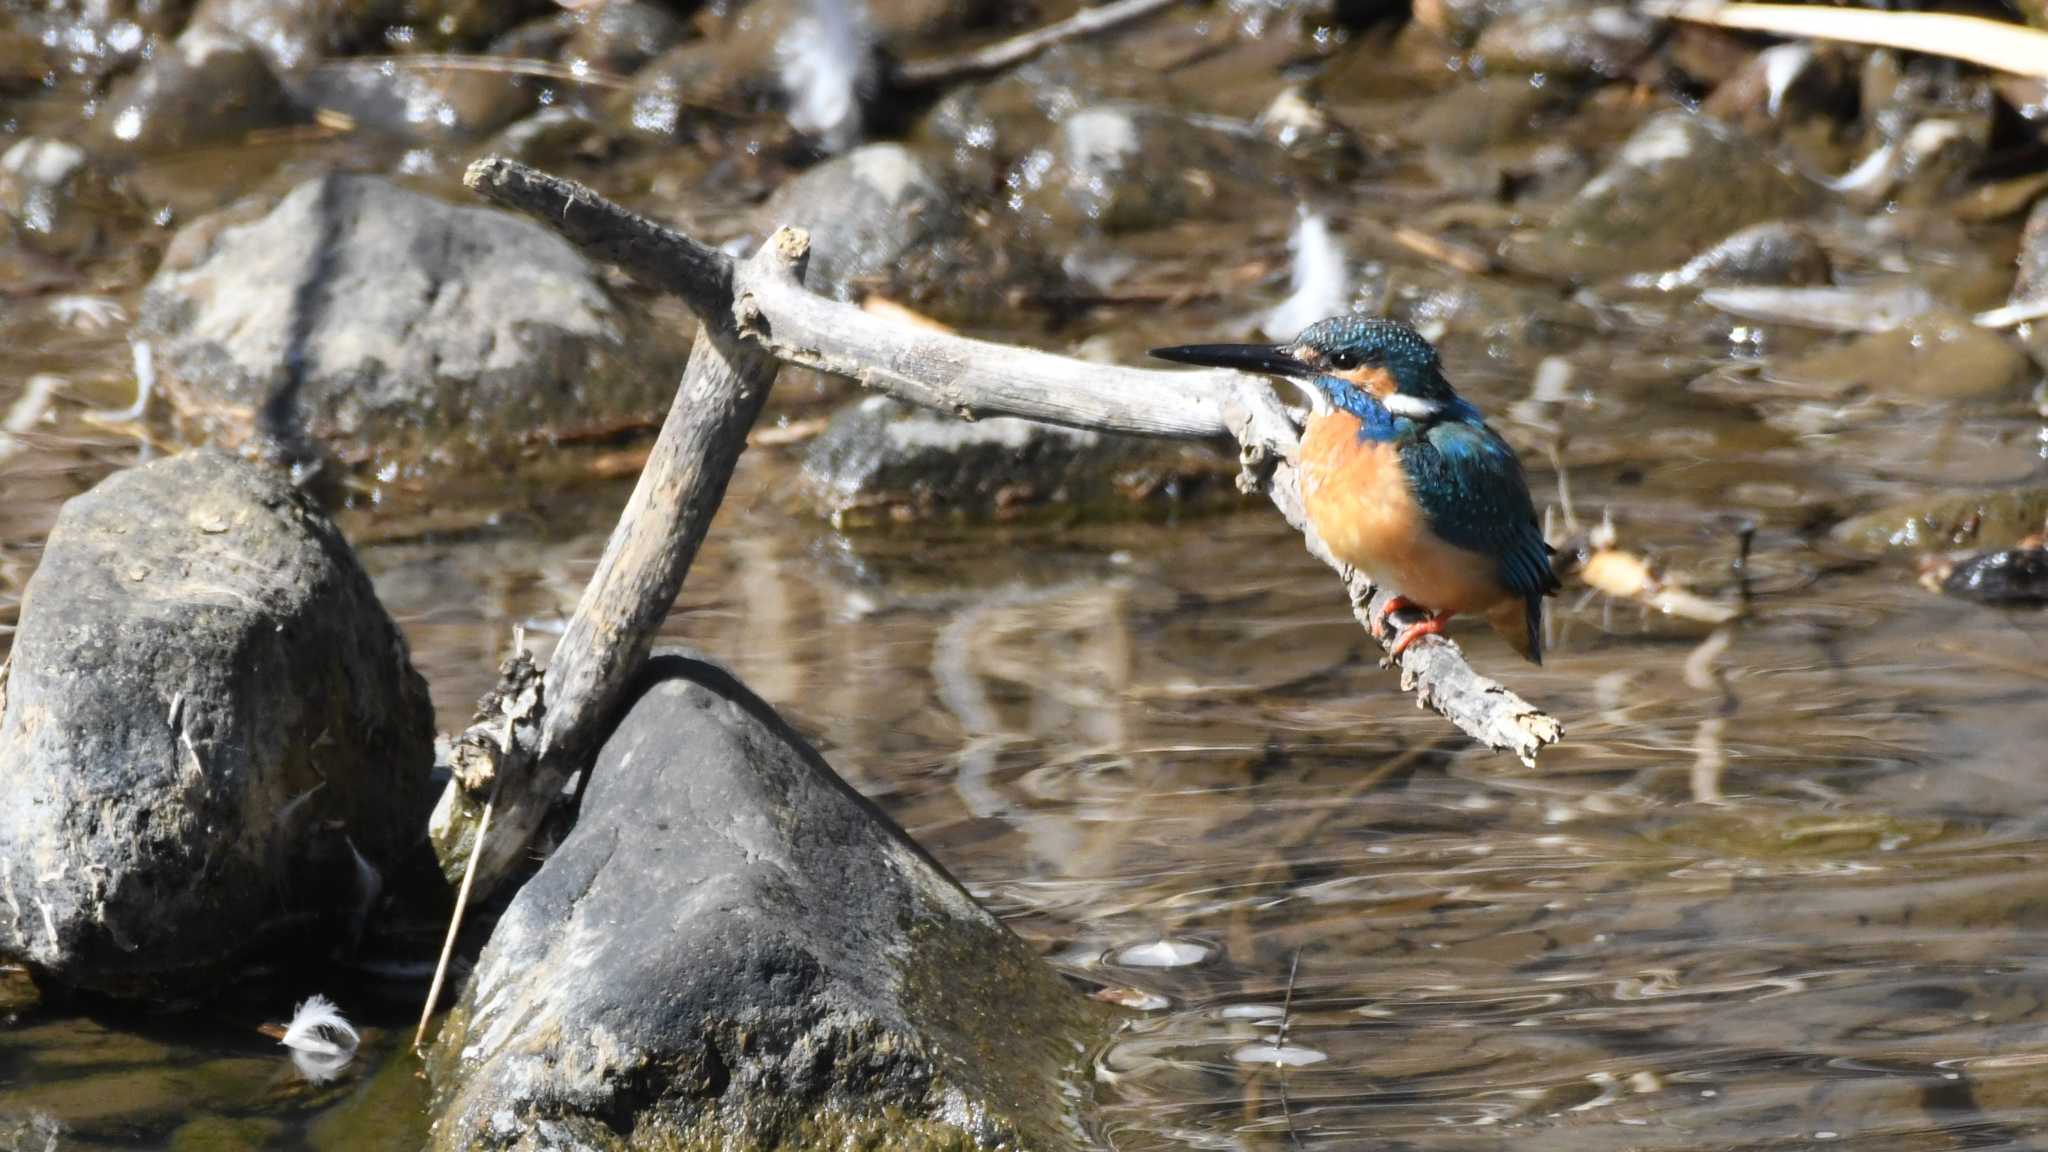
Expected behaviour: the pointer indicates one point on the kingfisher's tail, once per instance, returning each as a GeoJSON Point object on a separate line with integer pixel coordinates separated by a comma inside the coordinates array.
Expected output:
{"type": "Point", "coordinates": [1520, 622]}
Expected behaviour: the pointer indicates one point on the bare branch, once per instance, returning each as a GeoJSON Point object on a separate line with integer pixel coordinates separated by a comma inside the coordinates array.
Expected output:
{"type": "Point", "coordinates": [758, 314]}
{"type": "Point", "coordinates": [993, 58]}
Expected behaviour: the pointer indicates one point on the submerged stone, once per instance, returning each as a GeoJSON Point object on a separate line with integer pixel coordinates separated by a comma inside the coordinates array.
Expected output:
{"type": "Point", "coordinates": [1934, 356]}
{"type": "Point", "coordinates": [364, 322]}
{"type": "Point", "coordinates": [1679, 184]}
{"type": "Point", "coordinates": [1776, 252]}
{"type": "Point", "coordinates": [881, 460]}
{"type": "Point", "coordinates": [1997, 519]}
{"type": "Point", "coordinates": [210, 732]}
{"type": "Point", "coordinates": [733, 948]}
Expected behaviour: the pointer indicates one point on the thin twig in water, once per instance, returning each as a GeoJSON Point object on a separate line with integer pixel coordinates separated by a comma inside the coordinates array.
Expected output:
{"type": "Point", "coordinates": [1286, 1017]}
{"type": "Point", "coordinates": [1017, 49]}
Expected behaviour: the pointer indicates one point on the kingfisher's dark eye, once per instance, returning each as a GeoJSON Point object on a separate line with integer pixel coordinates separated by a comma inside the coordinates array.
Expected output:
{"type": "Point", "coordinates": [1344, 359]}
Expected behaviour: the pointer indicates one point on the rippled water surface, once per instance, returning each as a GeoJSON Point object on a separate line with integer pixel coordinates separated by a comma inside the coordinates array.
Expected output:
{"type": "Point", "coordinates": [1785, 883]}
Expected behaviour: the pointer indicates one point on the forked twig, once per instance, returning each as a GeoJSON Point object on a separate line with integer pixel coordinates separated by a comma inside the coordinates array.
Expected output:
{"type": "Point", "coordinates": [757, 313]}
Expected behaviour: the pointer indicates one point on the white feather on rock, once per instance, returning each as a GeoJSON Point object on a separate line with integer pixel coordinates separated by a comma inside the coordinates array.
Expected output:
{"type": "Point", "coordinates": [827, 61]}
{"type": "Point", "coordinates": [1319, 280]}
{"type": "Point", "coordinates": [317, 1026]}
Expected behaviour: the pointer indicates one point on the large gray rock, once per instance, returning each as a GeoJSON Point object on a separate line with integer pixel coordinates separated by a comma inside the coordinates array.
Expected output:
{"type": "Point", "coordinates": [881, 460]}
{"type": "Point", "coordinates": [735, 949]}
{"type": "Point", "coordinates": [1679, 183]}
{"type": "Point", "coordinates": [371, 323]}
{"type": "Point", "coordinates": [867, 211]}
{"type": "Point", "coordinates": [210, 730]}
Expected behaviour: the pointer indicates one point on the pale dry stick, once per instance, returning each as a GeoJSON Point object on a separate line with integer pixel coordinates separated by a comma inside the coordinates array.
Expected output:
{"type": "Point", "coordinates": [637, 580]}
{"type": "Point", "coordinates": [1995, 44]}
{"type": "Point", "coordinates": [757, 313]}
{"type": "Point", "coordinates": [483, 828]}
{"type": "Point", "coordinates": [992, 58]}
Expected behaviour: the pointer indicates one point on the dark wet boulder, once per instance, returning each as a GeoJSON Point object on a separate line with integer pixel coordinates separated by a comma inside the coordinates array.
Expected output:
{"type": "Point", "coordinates": [1485, 114]}
{"type": "Point", "coordinates": [211, 732]}
{"type": "Point", "coordinates": [1132, 167]}
{"type": "Point", "coordinates": [371, 324]}
{"type": "Point", "coordinates": [207, 87]}
{"type": "Point", "coordinates": [1775, 252]}
{"type": "Point", "coordinates": [618, 36]}
{"type": "Point", "coordinates": [1567, 40]}
{"type": "Point", "coordinates": [984, 127]}
{"type": "Point", "coordinates": [428, 105]}
{"type": "Point", "coordinates": [867, 212]}
{"type": "Point", "coordinates": [1678, 184]}
{"type": "Point", "coordinates": [1995, 519]}
{"type": "Point", "coordinates": [2012, 576]}
{"type": "Point", "coordinates": [733, 948]}
{"type": "Point", "coordinates": [881, 460]}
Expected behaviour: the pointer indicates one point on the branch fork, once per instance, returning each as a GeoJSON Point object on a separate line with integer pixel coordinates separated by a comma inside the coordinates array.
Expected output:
{"type": "Point", "coordinates": [756, 315]}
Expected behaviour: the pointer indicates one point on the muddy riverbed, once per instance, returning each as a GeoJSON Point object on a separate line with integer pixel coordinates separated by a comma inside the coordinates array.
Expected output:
{"type": "Point", "coordinates": [1783, 883]}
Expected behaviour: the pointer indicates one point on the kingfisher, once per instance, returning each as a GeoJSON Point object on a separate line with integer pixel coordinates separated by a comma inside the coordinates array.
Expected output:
{"type": "Point", "coordinates": [1404, 480]}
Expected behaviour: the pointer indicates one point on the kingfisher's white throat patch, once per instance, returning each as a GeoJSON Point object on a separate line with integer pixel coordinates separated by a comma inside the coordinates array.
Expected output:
{"type": "Point", "coordinates": [1413, 407]}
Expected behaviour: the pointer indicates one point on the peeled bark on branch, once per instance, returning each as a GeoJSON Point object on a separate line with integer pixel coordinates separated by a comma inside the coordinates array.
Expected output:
{"type": "Point", "coordinates": [758, 314]}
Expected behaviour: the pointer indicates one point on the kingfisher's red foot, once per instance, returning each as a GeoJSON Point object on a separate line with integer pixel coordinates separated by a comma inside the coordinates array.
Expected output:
{"type": "Point", "coordinates": [1409, 635]}
{"type": "Point", "coordinates": [1379, 619]}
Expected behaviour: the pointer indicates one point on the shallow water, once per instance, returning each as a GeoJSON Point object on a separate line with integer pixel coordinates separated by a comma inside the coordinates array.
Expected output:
{"type": "Point", "coordinates": [1782, 886]}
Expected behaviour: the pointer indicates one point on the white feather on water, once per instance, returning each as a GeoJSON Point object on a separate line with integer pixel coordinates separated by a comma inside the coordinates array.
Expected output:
{"type": "Point", "coordinates": [827, 61]}
{"type": "Point", "coordinates": [318, 1027]}
{"type": "Point", "coordinates": [1319, 281]}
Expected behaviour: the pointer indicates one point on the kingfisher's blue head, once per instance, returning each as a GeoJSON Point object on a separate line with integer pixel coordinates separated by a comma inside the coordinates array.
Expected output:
{"type": "Point", "coordinates": [1348, 362]}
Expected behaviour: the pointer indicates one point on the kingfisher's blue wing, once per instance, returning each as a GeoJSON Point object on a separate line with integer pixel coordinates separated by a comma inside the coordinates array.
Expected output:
{"type": "Point", "coordinates": [1470, 486]}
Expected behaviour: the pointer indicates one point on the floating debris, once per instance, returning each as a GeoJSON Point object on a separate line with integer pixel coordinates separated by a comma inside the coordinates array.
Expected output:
{"type": "Point", "coordinates": [1136, 999]}
{"type": "Point", "coordinates": [1607, 568]}
{"type": "Point", "coordinates": [318, 1026]}
{"type": "Point", "coordinates": [323, 1043]}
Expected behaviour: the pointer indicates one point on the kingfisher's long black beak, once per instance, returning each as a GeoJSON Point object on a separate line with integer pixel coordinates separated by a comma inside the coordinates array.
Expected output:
{"type": "Point", "coordinates": [1273, 359]}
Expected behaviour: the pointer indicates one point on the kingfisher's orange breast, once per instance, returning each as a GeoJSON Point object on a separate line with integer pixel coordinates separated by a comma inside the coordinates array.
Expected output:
{"type": "Point", "coordinates": [1356, 493]}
